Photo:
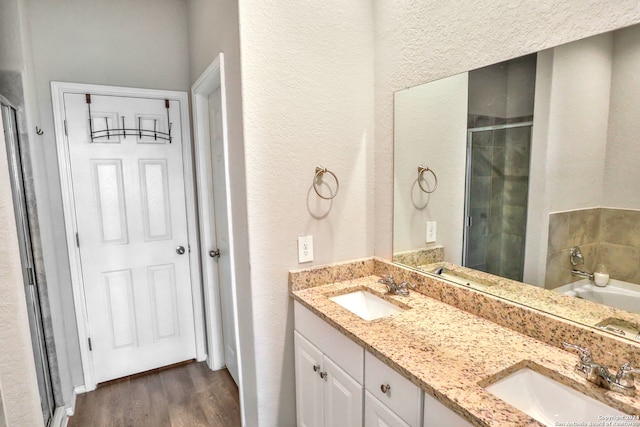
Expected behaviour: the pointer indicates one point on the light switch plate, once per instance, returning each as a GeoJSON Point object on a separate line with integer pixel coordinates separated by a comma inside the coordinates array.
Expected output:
{"type": "Point", "coordinates": [305, 249]}
{"type": "Point", "coordinates": [431, 232]}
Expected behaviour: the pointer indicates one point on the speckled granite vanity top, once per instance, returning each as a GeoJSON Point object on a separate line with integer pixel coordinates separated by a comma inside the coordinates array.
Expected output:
{"type": "Point", "coordinates": [452, 354]}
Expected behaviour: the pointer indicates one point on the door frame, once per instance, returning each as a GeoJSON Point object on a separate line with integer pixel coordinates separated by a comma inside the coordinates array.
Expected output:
{"type": "Point", "coordinates": [210, 80]}
{"type": "Point", "coordinates": [58, 90]}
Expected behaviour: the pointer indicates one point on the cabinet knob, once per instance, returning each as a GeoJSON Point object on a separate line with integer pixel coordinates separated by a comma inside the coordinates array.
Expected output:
{"type": "Point", "coordinates": [323, 375]}
{"type": "Point", "coordinates": [385, 388]}
{"type": "Point", "coordinates": [316, 368]}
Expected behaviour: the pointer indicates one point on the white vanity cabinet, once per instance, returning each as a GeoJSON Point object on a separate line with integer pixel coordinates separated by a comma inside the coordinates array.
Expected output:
{"type": "Point", "coordinates": [339, 384]}
{"type": "Point", "coordinates": [438, 415]}
{"type": "Point", "coordinates": [385, 388]}
{"type": "Point", "coordinates": [329, 374]}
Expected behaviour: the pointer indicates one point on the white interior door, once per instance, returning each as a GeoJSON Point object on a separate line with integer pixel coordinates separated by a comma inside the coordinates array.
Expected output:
{"type": "Point", "coordinates": [219, 208]}
{"type": "Point", "coordinates": [131, 219]}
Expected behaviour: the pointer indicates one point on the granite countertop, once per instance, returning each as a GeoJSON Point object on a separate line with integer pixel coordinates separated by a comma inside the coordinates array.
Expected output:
{"type": "Point", "coordinates": [575, 309]}
{"type": "Point", "coordinates": [452, 354]}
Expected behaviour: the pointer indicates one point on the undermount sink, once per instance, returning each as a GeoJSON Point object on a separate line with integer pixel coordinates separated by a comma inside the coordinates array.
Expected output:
{"type": "Point", "coordinates": [551, 402]}
{"type": "Point", "coordinates": [366, 305]}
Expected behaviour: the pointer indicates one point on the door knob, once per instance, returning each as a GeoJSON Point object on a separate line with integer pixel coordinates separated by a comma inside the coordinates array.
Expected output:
{"type": "Point", "coordinates": [214, 253]}
{"type": "Point", "coordinates": [180, 250]}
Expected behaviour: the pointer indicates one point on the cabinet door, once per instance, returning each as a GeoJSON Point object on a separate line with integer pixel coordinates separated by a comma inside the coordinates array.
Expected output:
{"type": "Point", "coordinates": [378, 415]}
{"type": "Point", "coordinates": [342, 397]}
{"type": "Point", "coordinates": [308, 360]}
{"type": "Point", "coordinates": [438, 415]}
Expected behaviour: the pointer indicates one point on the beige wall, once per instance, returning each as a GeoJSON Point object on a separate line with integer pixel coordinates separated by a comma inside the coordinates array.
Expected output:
{"type": "Point", "coordinates": [623, 154]}
{"type": "Point", "coordinates": [430, 123]}
{"type": "Point", "coordinates": [569, 139]}
{"type": "Point", "coordinates": [307, 72]}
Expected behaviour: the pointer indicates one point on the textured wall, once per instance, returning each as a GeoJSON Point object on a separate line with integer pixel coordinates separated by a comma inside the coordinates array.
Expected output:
{"type": "Point", "coordinates": [307, 70]}
{"type": "Point", "coordinates": [623, 153]}
{"type": "Point", "coordinates": [17, 370]}
{"type": "Point", "coordinates": [213, 28]}
{"type": "Point", "coordinates": [418, 42]}
{"type": "Point", "coordinates": [430, 124]}
{"type": "Point", "coordinates": [569, 139]}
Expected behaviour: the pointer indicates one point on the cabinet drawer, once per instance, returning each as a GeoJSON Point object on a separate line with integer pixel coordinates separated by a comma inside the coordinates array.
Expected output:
{"type": "Point", "coordinates": [346, 353]}
{"type": "Point", "coordinates": [403, 397]}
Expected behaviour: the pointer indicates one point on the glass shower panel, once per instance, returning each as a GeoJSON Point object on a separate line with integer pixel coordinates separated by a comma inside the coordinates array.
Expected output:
{"type": "Point", "coordinates": [32, 290]}
{"type": "Point", "coordinates": [496, 198]}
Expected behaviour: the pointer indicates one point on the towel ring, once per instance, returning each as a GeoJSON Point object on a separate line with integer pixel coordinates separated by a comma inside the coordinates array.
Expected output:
{"type": "Point", "coordinates": [421, 171]}
{"type": "Point", "coordinates": [319, 172]}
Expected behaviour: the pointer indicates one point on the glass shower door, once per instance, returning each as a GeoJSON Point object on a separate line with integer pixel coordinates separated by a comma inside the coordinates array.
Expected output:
{"type": "Point", "coordinates": [9, 125]}
{"type": "Point", "coordinates": [497, 188]}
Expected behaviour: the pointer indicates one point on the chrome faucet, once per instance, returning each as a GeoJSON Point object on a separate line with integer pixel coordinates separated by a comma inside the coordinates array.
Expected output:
{"type": "Point", "coordinates": [621, 382]}
{"type": "Point", "coordinates": [575, 256]}
{"type": "Point", "coordinates": [582, 274]}
{"type": "Point", "coordinates": [394, 288]}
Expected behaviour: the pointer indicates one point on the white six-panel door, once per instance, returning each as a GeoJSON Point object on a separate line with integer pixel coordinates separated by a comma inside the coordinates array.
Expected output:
{"type": "Point", "coordinates": [131, 219]}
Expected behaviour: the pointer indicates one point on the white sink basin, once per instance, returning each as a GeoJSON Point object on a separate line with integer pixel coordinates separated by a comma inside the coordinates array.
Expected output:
{"type": "Point", "coordinates": [366, 305]}
{"type": "Point", "coordinates": [551, 402]}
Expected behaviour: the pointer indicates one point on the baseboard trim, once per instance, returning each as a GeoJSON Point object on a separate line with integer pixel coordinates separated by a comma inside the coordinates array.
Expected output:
{"type": "Point", "coordinates": [71, 407]}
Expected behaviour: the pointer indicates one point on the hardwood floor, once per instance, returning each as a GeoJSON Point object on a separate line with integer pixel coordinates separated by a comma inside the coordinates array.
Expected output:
{"type": "Point", "coordinates": [186, 395]}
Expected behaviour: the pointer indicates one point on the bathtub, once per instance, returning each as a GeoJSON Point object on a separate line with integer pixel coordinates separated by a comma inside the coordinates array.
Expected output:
{"type": "Point", "coordinates": [617, 294]}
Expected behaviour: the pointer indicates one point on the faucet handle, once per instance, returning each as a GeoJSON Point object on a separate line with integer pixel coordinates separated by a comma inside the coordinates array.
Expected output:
{"type": "Point", "coordinates": [585, 353]}
{"type": "Point", "coordinates": [405, 285]}
{"type": "Point", "coordinates": [624, 377]}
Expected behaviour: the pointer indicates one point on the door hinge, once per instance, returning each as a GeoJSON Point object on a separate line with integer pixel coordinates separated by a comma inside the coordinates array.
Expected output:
{"type": "Point", "coordinates": [77, 240]}
{"type": "Point", "coordinates": [90, 347]}
{"type": "Point", "coordinates": [31, 276]}
{"type": "Point", "coordinates": [66, 132]}
{"type": "Point", "coordinates": [468, 221]}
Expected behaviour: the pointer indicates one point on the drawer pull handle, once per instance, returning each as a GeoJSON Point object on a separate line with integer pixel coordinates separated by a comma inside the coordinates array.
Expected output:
{"type": "Point", "coordinates": [385, 388]}
{"type": "Point", "coordinates": [316, 368]}
{"type": "Point", "coordinates": [323, 375]}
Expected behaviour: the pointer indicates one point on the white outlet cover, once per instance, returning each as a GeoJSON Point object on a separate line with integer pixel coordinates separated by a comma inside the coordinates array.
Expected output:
{"type": "Point", "coordinates": [431, 231]}
{"type": "Point", "coordinates": [305, 249]}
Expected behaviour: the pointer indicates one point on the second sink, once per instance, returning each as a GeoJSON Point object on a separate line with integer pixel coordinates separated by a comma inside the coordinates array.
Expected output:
{"type": "Point", "coordinates": [551, 402]}
{"type": "Point", "coordinates": [366, 305]}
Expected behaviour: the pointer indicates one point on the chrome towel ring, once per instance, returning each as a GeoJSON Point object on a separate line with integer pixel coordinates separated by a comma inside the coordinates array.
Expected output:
{"type": "Point", "coordinates": [319, 172]}
{"type": "Point", "coordinates": [421, 171]}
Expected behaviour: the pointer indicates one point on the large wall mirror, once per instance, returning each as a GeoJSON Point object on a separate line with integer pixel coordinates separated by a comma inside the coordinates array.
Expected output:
{"type": "Point", "coordinates": [529, 170]}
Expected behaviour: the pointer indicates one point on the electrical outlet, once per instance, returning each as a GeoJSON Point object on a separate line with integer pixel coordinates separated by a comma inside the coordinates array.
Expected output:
{"type": "Point", "coordinates": [431, 232]}
{"type": "Point", "coordinates": [305, 249]}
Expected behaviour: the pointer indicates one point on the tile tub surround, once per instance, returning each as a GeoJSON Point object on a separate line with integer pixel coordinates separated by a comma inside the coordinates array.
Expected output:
{"type": "Point", "coordinates": [448, 353]}
{"type": "Point", "coordinates": [607, 236]}
{"type": "Point", "coordinates": [416, 257]}
{"type": "Point", "coordinates": [514, 305]}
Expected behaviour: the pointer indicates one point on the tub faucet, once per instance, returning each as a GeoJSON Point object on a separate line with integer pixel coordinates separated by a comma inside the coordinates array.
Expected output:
{"type": "Point", "coordinates": [581, 273]}
{"type": "Point", "coordinates": [394, 288]}
{"type": "Point", "coordinates": [621, 382]}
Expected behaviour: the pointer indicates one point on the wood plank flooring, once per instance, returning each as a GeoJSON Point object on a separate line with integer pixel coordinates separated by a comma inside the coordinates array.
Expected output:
{"type": "Point", "coordinates": [187, 395]}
